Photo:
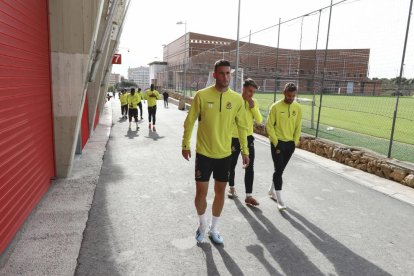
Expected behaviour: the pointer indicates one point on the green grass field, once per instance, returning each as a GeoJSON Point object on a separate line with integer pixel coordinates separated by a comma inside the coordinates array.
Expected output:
{"type": "Point", "coordinates": [359, 121]}
{"type": "Point", "coordinates": [366, 115]}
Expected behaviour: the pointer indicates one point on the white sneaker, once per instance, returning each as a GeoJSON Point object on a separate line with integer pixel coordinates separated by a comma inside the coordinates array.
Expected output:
{"type": "Point", "coordinates": [272, 192]}
{"type": "Point", "coordinates": [280, 204]}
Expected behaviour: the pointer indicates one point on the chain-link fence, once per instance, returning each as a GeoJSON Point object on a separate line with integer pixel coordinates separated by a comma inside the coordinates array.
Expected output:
{"type": "Point", "coordinates": [347, 71]}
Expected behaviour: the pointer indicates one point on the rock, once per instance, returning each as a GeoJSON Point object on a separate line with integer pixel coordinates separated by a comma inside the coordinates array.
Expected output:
{"type": "Point", "coordinates": [320, 151]}
{"type": "Point", "coordinates": [409, 180]}
{"type": "Point", "coordinates": [398, 175]}
{"type": "Point", "coordinates": [355, 155]}
{"type": "Point", "coordinates": [337, 154]}
{"type": "Point", "coordinates": [362, 167]}
{"type": "Point", "coordinates": [386, 169]}
{"type": "Point", "coordinates": [379, 173]}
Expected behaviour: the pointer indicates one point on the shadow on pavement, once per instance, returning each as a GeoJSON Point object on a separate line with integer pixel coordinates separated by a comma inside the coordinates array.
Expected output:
{"type": "Point", "coordinates": [211, 265]}
{"type": "Point", "coordinates": [230, 264]}
{"type": "Point", "coordinates": [291, 259]}
{"type": "Point", "coordinates": [101, 252]}
{"type": "Point", "coordinates": [131, 134]}
{"type": "Point", "coordinates": [343, 259]}
{"type": "Point", "coordinates": [153, 135]}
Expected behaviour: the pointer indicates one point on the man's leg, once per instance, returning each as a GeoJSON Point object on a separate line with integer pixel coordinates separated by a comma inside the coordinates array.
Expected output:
{"type": "Point", "coordinates": [278, 164]}
{"type": "Point", "coordinates": [235, 152]}
{"type": "Point", "coordinates": [249, 174]}
{"type": "Point", "coordinates": [218, 203]}
{"type": "Point", "coordinates": [154, 112]}
{"type": "Point", "coordinates": [200, 200]}
{"type": "Point", "coordinates": [203, 169]}
{"type": "Point", "coordinates": [140, 109]}
{"type": "Point", "coordinates": [130, 117]}
{"type": "Point", "coordinates": [149, 117]}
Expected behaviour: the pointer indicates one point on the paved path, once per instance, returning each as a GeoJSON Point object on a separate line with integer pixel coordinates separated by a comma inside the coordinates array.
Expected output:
{"type": "Point", "coordinates": [143, 219]}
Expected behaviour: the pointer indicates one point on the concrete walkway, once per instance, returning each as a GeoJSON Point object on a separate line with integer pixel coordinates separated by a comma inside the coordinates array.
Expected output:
{"type": "Point", "coordinates": [142, 222]}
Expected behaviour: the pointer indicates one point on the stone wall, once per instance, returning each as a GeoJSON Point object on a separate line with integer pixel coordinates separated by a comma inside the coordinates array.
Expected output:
{"type": "Point", "coordinates": [357, 158]}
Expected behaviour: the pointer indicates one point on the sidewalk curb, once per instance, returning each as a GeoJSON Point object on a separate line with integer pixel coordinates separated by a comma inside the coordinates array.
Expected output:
{"type": "Point", "coordinates": [49, 243]}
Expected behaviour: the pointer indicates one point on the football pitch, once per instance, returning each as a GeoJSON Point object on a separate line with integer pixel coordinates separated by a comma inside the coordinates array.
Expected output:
{"type": "Point", "coordinates": [361, 121]}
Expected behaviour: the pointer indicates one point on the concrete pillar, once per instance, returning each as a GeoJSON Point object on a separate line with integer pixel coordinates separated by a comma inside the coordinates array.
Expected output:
{"type": "Point", "coordinates": [73, 32]}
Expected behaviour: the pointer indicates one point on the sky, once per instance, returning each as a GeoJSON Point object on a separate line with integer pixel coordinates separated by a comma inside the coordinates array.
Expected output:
{"type": "Point", "coordinates": [379, 25]}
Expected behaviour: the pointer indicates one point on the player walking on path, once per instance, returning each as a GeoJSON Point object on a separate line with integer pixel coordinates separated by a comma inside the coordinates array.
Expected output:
{"type": "Point", "coordinates": [123, 97]}
{"type": "Point", "coordinates": [216, 108]}
{"type": "Point", "coordinates": [152, 96]}
{"type": "Point", "coordinates": [252, 115]}
{"type": "Point", "coordinates": [133, 100]}
{"type": "Point", "coordinates": [283, 127]}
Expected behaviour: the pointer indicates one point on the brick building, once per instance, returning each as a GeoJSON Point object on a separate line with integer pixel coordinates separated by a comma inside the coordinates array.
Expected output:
{"type": "Point", "coordinates": [346, 70]}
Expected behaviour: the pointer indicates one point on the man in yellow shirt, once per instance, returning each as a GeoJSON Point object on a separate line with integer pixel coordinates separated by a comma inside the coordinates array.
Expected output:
{"type": "Point", "coordinates": [283, 126]}
{"type": "Point", "coordinates": [123, 97]}
{"type": "Point", "coordinates": [252, 115]}
{"type": "Point", "coordinates": [133, 100]}
{"type": "Point", "coordinates": [152, 96]}
{"type": "Point", "coordinates": [216, 108]}
{"type": "Point", "coordinates": [140, 102]}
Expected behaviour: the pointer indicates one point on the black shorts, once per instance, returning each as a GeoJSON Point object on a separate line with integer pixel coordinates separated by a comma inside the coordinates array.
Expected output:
{"type": "Point", "coordinates": [204, 166]}
{"type": "Point", "coordinates": [133, 112]}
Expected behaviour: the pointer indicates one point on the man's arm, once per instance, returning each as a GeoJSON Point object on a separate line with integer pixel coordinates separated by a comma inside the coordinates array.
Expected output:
{"type": "Point", "coordinates": [270, 125]}
{"type": "Point", "coordinates": [298, 127]}
{"type": "Point", "coordinates": [158, 95]}
{"type": "Point", "coordinates": [242, 128]}
{"type": "Point", "coordinates": [189, 125]}
{"type": "Point", "coordinates": [256, 113]}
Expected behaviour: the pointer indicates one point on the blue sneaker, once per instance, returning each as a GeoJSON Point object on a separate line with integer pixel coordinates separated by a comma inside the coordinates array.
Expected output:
{"type": "Point", "coordinates": [215, 236]}
{"type": "Point", "coordinates": [199, 235]}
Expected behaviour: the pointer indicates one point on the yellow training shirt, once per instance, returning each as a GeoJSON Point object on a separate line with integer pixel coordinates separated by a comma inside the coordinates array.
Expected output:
{"type": "Point", "coordinates": [252, 115]}
{"type": "Point", "coordinates": [123, 97]}
{"type": "Point", "coordinates": [216, 112]}
{"type": "Point", "coordinates": [152, 97]}
{"type": "Point", "coordinates": [134, 100]}
{"type": "Point", "coordinates": [284, 122]}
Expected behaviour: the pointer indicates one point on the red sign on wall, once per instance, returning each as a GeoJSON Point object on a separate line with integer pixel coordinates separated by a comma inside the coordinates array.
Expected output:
{"type": "Point", "coordinates": [116, 59]}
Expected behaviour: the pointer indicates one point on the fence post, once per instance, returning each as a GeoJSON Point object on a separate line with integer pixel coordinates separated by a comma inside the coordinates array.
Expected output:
{"type": "Point", "coordinates": [323, 72]}
{"type": "Point", "coordinates": [399, 81]}
{"type": "Point", "coordinates": [315, 72]}
{"type": "Point", "coordinates": [277, 59]}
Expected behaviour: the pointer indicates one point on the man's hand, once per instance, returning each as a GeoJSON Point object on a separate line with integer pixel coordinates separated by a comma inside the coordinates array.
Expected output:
{"type": "Point", "coordinates": [251, 102]}
{"type": "Point", "coordinates": [246, 160]}
{"type": "Point", "coordinates": [249, 99]}
{"type": "Point", "coordinates": [186, 154]}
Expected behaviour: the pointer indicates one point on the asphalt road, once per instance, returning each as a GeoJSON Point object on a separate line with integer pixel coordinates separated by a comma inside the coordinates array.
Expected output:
{"type": "Point", "coordinates": [143, 219]}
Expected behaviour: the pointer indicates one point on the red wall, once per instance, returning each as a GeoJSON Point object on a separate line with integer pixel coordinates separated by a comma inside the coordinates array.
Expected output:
{"type": "Point", "coordinates": [26, 127]}
{"type": "Point", "coordinates": [85, 123]}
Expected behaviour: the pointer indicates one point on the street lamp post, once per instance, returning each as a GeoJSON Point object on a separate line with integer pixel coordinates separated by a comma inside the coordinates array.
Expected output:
{"type": "Point", "coordinates": [185, 54]}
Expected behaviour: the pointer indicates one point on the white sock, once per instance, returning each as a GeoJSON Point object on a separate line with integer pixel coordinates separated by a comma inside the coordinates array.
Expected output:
{"type": "Point", "coordinates": [203, 222]}
{"type": "Point", "coordinates": [247, 195]}
{"type": "Point", "coordinates": [279, 197]}
{"type": "Point", "coordinates": [214, 224]}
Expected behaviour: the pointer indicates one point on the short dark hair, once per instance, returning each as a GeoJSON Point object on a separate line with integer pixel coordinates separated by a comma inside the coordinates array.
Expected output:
{"type": "Point", "coordinates": [290, 87]}
{"type": "Point", "coordinates": [139, 89]}
{"type": "Point", "coordinates": [250, 82]}
{"type": "Point", "coordinates": [221, 62]}
{"type": "Point", "coordinates": [152, 86]}
{"type": "Point", "coordinates": [132, 89]}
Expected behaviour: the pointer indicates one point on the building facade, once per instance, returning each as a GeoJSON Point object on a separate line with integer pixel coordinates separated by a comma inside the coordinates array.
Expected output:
{"type": "Point", "coordinates": [346, 70]}
{"type": "Point", "coordinates": [114, 79]}
{"type": "Point", "coordinates": [140, 75]}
